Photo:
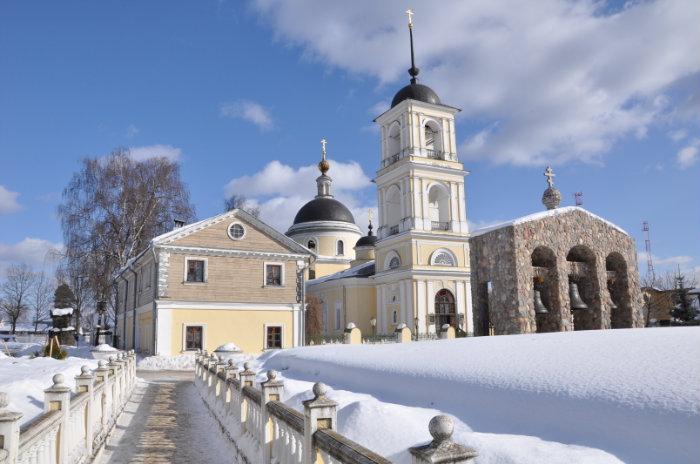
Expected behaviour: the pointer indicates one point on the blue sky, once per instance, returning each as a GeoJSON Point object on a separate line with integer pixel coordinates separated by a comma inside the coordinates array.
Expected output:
{"type": "Point", "coordinates": [241, 92]}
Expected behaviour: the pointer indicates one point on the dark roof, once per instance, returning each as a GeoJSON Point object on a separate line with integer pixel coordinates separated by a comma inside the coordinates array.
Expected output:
{"type": "Point", "coordinates": [418, 92]}
{"type": "Point", "coordinates": [324, 209]}
{"type": "Point", "coordinates": [367, 240]}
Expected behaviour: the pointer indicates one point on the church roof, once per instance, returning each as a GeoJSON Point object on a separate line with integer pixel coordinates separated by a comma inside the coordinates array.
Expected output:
{"type": "Point", "coordinates": [324, 209]}
{"type": "Point", "coordinates": [363, 270]}
{"type": "Point", "coordinates": [542, 215]}
{"type": "Point", "coordinates": [415, 91]}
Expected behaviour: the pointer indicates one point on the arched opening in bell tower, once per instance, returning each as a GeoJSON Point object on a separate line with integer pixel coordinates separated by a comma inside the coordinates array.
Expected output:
{"type": "Point", "coordinates": [433, 141]}
{"type": "Point", "coordinates": [439, 207]}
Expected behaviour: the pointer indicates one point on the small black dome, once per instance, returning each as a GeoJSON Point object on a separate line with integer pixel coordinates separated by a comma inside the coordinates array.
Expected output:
{"type": "Point", "coordinates": [418, 92]}
{"type": "Point", "coordinates": [367, 240]}
{"type": "Point", "coordinates": [324, 209]}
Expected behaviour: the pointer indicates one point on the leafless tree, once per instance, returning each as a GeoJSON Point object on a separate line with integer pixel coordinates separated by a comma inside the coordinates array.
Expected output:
{"type": "Point", "coordinates": [314, 318]}
{"type": "Point", "coordinates": [15, 292]}
{"type": "Point", "coordinates": [111, 209]}
{"type": "Point", "coordinates": [40, 298]}
{"type": "Point", "coordinates": [241, 202]}
{"type": "Point", "coordinates": [660, 294]}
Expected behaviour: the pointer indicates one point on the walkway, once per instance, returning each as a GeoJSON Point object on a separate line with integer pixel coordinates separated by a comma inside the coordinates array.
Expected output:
{"type": "Point", "coordinates": [166, 422]}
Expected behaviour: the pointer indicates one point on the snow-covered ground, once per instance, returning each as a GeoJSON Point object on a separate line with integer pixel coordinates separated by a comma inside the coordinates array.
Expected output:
{"type": "Point", "coordinates": [579, 397]}
{"type": "Point", "coordinates": [183, 362]}
{"type": "Point", "coordinates": [25, 379]}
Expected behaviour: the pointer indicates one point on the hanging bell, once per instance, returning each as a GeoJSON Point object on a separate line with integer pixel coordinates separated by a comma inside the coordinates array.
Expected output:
{"type": "Point", "coordinates": [540, 308]}
{"type": "Point", "coordinates": [574, 297]}
{"type": "Point", "coordinates": [612, 304]}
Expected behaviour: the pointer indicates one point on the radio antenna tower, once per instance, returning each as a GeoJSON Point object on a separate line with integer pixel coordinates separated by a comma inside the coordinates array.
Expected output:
{"type": "Point", "coordinates": [578, 196]}
{"type": "Point", "coordinates": [647, 247]}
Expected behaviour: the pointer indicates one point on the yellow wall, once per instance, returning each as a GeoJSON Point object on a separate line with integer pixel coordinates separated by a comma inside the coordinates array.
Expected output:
{"type": "Point", "coordinates": [360, 305]}
{"type": "Point", "coordinates": [324, 269]}
{"type": "Point", "coordinates": [244, 328]}
{"type": "Point", "coordinates": [145, 333]}
{"type": "Point", "coordinates": [427, 249]}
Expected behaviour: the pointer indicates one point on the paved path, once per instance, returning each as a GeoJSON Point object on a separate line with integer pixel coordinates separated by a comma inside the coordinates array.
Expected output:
{"type": "Point", "coordinates": [166, 421]}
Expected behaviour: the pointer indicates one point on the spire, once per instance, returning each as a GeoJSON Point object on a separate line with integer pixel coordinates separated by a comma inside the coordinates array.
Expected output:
{"type": "Point", "coordinates": [551, 197]}
{"type": "Point", "coordinates": [369, 226]}
{"type": "Point", "coordinates": [413, 71]}
{"type": "Point", "coordinates": [323, 182]}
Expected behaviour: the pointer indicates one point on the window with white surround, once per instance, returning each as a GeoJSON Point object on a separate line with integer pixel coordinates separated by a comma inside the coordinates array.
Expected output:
{"type": "Point", "coordinates": [236, 231]}
{"type": "Point", "coordinates": [443, 258]}
{"type": "Point", "coordinates": [195, 270]}
{"type": "Point", "coordinates": [193, 337]}
{"type": "Point", "coordinates": [273, 337]}
{"type": "Point", "coordinates": [311, 245]}
{"type": "Point", "coordinates": [340, 248]}
{"type": "Point", "coordinates": [274, 275]}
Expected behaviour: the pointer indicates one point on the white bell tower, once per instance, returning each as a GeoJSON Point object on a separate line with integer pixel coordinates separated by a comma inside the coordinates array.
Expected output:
{"type": "Point", "coordinates": [422, 252]}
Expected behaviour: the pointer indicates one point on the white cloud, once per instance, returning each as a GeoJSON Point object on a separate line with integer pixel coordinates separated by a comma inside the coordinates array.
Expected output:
{"type": "Point", "coordinates": [8, 201]}
{"type": "Point", "coordinates": [132, 131]}
{"type": "Point", "coordinates": [280, 190]}
{"type": "Point", "coordinates": [248, 111]}
{"type": "Point", "coordinates": [678, 135]}
{"type": "Point", "coordinates": [155, 151]}
{"type": "Point", "coordinates": [35, 252]}
{"type": "Point", "coordinates": [552, 81]}
{"type": "Point", "coordinates": [688, 156]}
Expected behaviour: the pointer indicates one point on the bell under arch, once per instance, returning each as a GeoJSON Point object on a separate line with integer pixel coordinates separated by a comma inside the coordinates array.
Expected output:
{"type": "Point", "coordinates": [545, 290]}
{"type": "Point", "coordinates": [618, 291]}
{"type": "Point", "coordinates": [584, 300]}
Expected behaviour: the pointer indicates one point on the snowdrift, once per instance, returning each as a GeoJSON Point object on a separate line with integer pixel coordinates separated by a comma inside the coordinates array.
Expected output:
{"type": "Point", "coordinates": [634, 393]}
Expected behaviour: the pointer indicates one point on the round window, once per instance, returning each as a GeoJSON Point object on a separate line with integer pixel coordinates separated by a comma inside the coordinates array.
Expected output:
{"type": "Point", "coordinates": [236, 231]}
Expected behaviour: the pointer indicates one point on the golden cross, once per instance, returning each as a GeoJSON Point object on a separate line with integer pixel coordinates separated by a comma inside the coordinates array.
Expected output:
{"type": "Point", "coordinates": [549, 174]}
{"type": "Point", "coordinates": [410, 14]}
{"type": "Point", "coordinates": [323, 147]}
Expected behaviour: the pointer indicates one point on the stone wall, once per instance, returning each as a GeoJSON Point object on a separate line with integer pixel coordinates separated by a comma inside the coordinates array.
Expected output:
{"type": "Point", "coordinates": [504, 256]}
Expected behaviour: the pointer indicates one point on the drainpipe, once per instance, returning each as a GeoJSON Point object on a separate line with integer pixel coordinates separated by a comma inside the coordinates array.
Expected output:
{"type": "Point", "coordinates": [133, 311]}
{"type": "Point", "coordinates": [126, 294]}
{"type": "Point", "coordinates": [154, 317]}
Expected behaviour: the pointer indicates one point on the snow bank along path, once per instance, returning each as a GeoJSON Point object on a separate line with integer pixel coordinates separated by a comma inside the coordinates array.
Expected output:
{"type": "Point", "coordinates": [632, 392]}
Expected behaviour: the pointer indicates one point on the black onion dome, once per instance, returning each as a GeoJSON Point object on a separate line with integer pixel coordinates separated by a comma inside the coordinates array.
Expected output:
{"type": "Point", "coordinates": [418, 92]}
{"type": "Point", "coordinates": [367, 240]}
{"type": "Point", "coordinates": [324, 209]}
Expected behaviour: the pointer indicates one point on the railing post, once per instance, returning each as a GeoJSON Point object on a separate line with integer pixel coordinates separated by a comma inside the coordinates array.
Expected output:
{"type": "Point", "coordinates": [319, 413]}
{"type": "Point", "coordinates": [403, 333]}
{"type": "Point", "coordinates": [57, 398]}
{"type": "Point", "coordinates": [9, 430]}
{"type": "Point", "coordinates": [272, 390]}
{"type": "Point", "coordinates": [114, 374]}
{"type": "Point", "coordinates": [102, 375]}
{"type": "Point", "coordinates": [247, 376]}
{"type": "Point", "coordinates": [246, 379]}
{"type": "Point", "coordinates": [84, 383]}
{"type": "Point", "coordinates": [352, 335]}
{"type": "Point", "coordinates": [442, 448]}
{"type": "Point", "coordinates": [231, 370]}
{"type": "Point", "coordinates": [220, 392]}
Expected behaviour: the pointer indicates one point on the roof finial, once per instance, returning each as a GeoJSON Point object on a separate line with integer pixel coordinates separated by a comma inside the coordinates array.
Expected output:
{"type": "Point", "coordinates": [551, 197]}
{"type": "Point", "coordinates": [323, 165]}
{"type": "Point", "coordinates": [549, 174]}
{"type": "Point", "coordinates": [413, 71]}
{"type": "Point", "coordinates": [369, 226]}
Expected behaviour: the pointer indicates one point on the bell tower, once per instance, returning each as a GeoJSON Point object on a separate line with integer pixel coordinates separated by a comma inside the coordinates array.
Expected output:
{"type": "Point", "coordinates": [422, 251]}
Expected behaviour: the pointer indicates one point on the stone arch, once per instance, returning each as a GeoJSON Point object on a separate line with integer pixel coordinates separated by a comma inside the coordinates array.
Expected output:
{"type": "Point", "coordinates": [432, 136]}
{"type": "Point", "coordinates": [584, 274]}
{"type": "Point", "coordinates": [439, 207]}
{"type": "Point", "coordinates": [443, 257]}
{"type": "Point", "coordinates": [393, 208]}
{"type": "Point", "coordinates": [445, 309]}
{"type": "Point", "coordinates": [618, 290]}
{"type": "Point", "coordinates": [545, 279]}
{"type": "Point", "coordinates": [393, 140]}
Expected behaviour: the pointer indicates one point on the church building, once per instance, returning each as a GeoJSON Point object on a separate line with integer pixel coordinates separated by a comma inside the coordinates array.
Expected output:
{"type": "Point", "coordinates": [558, 270]}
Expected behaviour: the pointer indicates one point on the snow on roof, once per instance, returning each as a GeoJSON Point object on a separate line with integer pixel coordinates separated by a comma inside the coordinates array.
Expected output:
{"type": "Point", "coordinates": [542, 215]}
{"type": "Point", "coordinates": [61, 311]}
{"type": "Point", "coordinates": [361, 270]}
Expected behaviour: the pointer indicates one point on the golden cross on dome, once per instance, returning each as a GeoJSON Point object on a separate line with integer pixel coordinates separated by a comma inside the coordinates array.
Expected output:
{"type": "Point", "coordinates": [410, 14]}
{"type": "Point", "coordinates": [549, 174]}
{"type": "Point", "coordinates": [323, 148]}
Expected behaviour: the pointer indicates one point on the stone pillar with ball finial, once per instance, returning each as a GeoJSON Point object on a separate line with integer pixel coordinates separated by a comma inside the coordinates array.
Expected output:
{"type": "Point", "coordinates": [320, 412]}
{"type": "Point", "coordinates": [57, 398]}
{"type": "Point", "coordinates": [85, 383]}
{"type": "Point", "coordinates": [9, 429]}
{"type": "Point", "coordinates": [272, 390]}
{"type": "Point", "coordinates": [442, 448]}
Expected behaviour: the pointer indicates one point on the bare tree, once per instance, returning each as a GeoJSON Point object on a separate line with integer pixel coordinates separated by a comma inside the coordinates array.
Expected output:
{"type": "Point", "coordinates": [241, 202]}
{"type": "Point", "coordinates": [15, 292]}
{"type": "Point", "coordinates": [660, 294]}
{"type": "Point", "coordinates": [40, 298]}
{"type": "Point", "coordinates": [110, 211]}
{"type": "Point", "coordinates": [314, 318]}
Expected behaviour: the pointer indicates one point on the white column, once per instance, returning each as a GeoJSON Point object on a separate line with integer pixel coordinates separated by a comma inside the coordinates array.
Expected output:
{"type": "Point", "coordinates": [410, 311]}
{"type": "Point", "coordinates": [454, 212]}
{"type": "Point", "coordinates": [425, 201]}
{"type": "Point", "coordinates": [430, 304]}
{"type": "Point", "coordinates": [417, 203]}
{"type": "Point", "coordinates": [402, 298]}
{"type": "Point", "coordinates": [461, 306]}
{"type": "Point", "coordinates": [380, 308]}
{"type": "Point", "coordinates": [469, 316]}
{"type": "Point", "coordinates": [296, 324]}
{"type": "Point", "coordinates": [462, 208]}
{"type": "Point", "coordinates": [164, 332]}
{"type": "Point", "coordinates": [422, 309]}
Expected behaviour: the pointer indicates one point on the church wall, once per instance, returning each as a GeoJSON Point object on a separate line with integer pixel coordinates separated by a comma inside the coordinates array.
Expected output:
{"type": "Point", "coordinates": [426, 249]}
{"type": "Point", "coordinates": [324, 269]}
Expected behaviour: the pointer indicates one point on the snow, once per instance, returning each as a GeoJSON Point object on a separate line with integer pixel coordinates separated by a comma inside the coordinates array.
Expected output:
{"type": "Point", "coordinates": [361, 270]}
{"type": "Point", "coordinates": [61, 311]}
{"type": "Point", "coordinates": [104, 347]}
{"type": "Point", "coordinates": [542, 215]}
{"type": "Point", "coordinates": [24, 379]}
{"type": "Point", "coordinates": [183, 362]}
{"type": "Point", "coordinates": [230, 346]}
{"type": "Point", "coordinates": [592, 396]}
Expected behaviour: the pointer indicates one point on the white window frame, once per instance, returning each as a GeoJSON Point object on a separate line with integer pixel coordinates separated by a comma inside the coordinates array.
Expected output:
{"type": "Point", "coordinates": [449, 253]}
{"type": "Point", "coordinates": [338, 242]}
{"type": "Point", "coordinates": [282, 276]}
{"type": "Point", "coordinates": [392, 254]}
{"type": "Point", "coordinates": [206, 270]}
{"type": "Point", "coordinates": [228, 230]}
{"type": "Point", "coordinates": [185, 325]}
{"type": "Point", "coordinates": [265, 326]}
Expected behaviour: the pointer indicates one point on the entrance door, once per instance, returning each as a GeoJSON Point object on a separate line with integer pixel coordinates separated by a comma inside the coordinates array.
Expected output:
{"type": "Point", "coordinates": [445, 311]}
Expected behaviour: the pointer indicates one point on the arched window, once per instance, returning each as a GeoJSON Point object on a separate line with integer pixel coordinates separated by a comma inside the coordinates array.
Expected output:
{"type": "Point", "coordinates": [393, 143]}
{"type": "Point", "coordinates": [432, 138]}
{"type": "Point", "coordinates": [439, 207]}
{"type": "Point", "coordinates": [442, 258]}
{"type": "Point", "coordinates": [445, 311]}
{"type": "Point", "coordinates": [394, 262]}
{"type": "Point", "coordinates": [395, 317]}
{"type": "Point", "coordinates": [311, 245]}
{"type": "Point", "coordinates": [393, 209]}
{"type": "Point", "coordinates": [340, 248]}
